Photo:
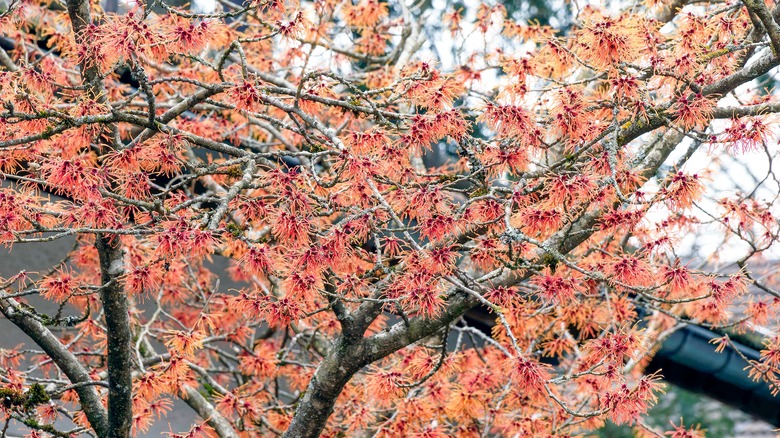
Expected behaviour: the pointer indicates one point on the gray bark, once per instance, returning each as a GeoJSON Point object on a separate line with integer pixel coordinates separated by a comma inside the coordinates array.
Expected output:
{"type": "Point", "coordinates": [112, 295]}
{"type": "Point", "coordinates": [89, 398]}
{"type": "Point", "coordinates": [118, 357]}
{"type": "Point", "coordinates": [207, 411]}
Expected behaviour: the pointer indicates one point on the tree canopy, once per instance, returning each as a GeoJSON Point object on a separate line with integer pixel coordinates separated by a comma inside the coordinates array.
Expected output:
{"type": "Point", "coordinates": [609, 185]}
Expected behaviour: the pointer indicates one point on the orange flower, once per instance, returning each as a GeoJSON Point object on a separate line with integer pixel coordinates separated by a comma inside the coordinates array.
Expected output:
{"type": "Point", "coordinates": [383, 386]}
{"type": "Point", "coordinates": [745, 135]}
{"type": "Point", "coordinates": [59, 287]}
{"type": "Point", "coordinates": [604, 41]}
{"type": "Point", "coordinates": [541, 222]}
{"type": "Point", "coordinates": [465, 402]}
{"type": "Point", "coordinates": [367, 13]}
{"type": "Point", "coordinates": [262, 362]}
{"type": "Point", "coordinates": [554, 288]}
{"type": "Point", "coordinates": [693, 112]}
{"type": "Point", "coordinates": [143, 278]}
{"type": "Point", "coordinates": [186, 36]}
{"type": "Point", "coordinates": [245, 96]}
{"type": "Point", "coordinates": [529, 375]}
{"type": "Point", "coordinates": [683, 190]}
{"type": "Point", "coordinates": [185, 343]}
{"type": "Point", "coordinates": [631, 271]}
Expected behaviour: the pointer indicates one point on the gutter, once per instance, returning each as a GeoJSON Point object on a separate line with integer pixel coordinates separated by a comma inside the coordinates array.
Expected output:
{"type": "Point", "coordinates": [687, 359]}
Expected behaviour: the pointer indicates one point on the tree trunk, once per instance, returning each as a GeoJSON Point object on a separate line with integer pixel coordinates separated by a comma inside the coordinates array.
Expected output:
{"type": "Point", "coordinates": [112, 294]}
{"type": "Point", "coordinates": [343, 361]}
{"type": "Point", "coordinates": [119, 361]}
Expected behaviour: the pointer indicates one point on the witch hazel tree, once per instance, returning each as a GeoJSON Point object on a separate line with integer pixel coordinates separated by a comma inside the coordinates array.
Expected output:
{"type": "Point", "coordinates": [295, 139]}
